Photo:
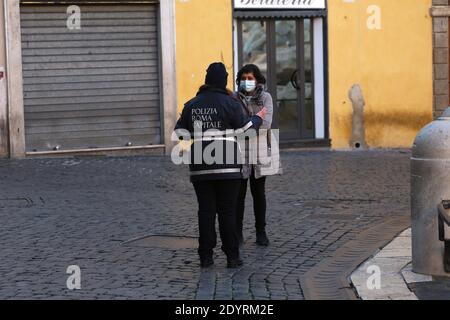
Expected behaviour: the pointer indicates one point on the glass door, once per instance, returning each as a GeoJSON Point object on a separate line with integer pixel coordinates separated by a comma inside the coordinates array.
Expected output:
{"type": "Point", "coordinates": [286, 71]}
{"type": "Point", "coordinates": [282, 49]}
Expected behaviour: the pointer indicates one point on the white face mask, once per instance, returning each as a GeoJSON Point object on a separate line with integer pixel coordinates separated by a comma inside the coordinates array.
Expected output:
{"type": "Point", "coordinates": [248, 85]}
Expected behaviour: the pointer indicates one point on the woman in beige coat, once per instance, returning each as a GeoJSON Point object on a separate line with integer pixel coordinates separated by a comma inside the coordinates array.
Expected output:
{"type": "Point", "coordinates": [254, 98]}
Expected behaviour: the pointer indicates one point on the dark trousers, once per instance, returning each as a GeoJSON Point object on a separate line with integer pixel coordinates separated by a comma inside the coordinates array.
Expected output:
{"type": "Point", "coordinates": [258, 189]}
{"type": "Point", "coordinates": [217, 197]}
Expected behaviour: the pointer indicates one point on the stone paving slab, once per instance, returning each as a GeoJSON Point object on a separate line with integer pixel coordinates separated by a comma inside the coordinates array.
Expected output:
{"type": "Point", "coordinates": [398, 281]}
{"type": "Point", "coordinates": [389, 262]}
{"type": "Point", "coordinates": [81, 211]}
{"type": "Point", "coordinates": [412, 277]}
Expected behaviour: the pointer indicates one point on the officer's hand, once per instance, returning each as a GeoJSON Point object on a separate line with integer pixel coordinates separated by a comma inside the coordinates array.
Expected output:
{"type": "Point", "coordinates": [262, 113]}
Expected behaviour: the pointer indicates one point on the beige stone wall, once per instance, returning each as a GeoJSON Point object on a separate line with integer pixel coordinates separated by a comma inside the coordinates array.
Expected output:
{"type": "Point", "coordinates": [440, 56]}
{"type": "Point", "coordinates": [3, 100]}
{"type": "Point", "coordinates": [16, 127]}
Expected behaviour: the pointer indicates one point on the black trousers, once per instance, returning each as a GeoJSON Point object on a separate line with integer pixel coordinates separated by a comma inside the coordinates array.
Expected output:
{"type": "Point", "coordinates": [258, 189]}
{"type": "Point", "coordinates": [217, 197]}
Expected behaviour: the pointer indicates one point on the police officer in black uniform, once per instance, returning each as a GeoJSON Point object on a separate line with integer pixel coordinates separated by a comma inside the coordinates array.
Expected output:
{"type": "Point", "coordinates": [216, 184]}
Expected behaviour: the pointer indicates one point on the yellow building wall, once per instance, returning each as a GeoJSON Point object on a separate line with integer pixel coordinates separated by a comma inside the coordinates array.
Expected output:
{"type": "Point", "coordinates": [393, 65]}
{"type": "Point", "coordinates": [204, 34]}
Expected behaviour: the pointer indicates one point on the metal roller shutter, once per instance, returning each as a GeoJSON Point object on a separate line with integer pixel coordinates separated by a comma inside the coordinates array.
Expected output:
{"type": "Point", "coordinates": [96, 87]}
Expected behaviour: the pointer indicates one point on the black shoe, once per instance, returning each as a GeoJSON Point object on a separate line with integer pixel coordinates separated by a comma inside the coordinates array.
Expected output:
{"type": "Point", "coordinates": [234, 263]}
{"type": "Point", "coordinates": [206, 262]}
{"type": "Point", "coordinates": [261, 239]}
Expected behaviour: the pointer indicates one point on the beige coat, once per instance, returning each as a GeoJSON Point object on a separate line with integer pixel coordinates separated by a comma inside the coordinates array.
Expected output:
{"type": "Point", "coordinates": [253, 105]}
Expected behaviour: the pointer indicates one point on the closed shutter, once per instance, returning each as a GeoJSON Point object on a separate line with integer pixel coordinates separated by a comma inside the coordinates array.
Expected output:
{"type": "Point", "coordinates": [96, 87]}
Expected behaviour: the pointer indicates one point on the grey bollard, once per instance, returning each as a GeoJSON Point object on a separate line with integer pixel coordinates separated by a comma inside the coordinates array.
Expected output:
{"type": "Point", "coordinates": [430, 198]}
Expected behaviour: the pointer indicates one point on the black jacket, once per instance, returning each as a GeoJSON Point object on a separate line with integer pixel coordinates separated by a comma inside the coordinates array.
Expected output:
{"type": "Point", "coordinates": [215, 109]}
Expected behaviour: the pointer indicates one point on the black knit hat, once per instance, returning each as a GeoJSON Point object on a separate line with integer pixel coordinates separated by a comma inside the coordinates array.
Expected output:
{"type": "Point", "coordinates": [217, 75]}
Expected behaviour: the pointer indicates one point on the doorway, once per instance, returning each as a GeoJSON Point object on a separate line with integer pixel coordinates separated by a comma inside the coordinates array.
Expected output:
{"type": "Point", "coordinates": [283, 50]}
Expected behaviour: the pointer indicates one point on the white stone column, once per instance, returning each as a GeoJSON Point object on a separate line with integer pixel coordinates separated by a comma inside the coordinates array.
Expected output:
{"type": "Point", "coordinates": [4, 152]}
{"type": "Point", "coordinates": [14, 80]}
{"type": "Point", "coordinates": [169, 76]}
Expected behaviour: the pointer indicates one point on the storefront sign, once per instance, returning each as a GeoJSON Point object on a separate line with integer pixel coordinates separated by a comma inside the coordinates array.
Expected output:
{"type": "Point", "coordinates": [279, 4]}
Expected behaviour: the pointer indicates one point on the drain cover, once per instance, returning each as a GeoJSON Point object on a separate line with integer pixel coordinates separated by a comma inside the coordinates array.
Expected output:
{"type": "Point", "coordinates": [164, 242]}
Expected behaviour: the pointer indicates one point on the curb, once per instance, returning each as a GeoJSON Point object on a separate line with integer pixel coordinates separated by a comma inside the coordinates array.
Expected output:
{"type": "Point", "coordinates": [329, 280]}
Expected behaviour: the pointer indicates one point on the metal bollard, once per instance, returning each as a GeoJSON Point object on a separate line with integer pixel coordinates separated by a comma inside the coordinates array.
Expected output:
{"type": "Point", "coordinates": [430, 192]}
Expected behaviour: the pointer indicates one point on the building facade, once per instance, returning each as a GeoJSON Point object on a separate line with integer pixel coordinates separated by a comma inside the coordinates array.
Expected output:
{"type": "Point", "coordinates": [384, 46]}
{"type": "Point", "coordinates": [117, 80]}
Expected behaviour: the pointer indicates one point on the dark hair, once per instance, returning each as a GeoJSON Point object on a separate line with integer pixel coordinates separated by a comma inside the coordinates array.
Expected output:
{"type": "Point", "coordinates": [251, 68]}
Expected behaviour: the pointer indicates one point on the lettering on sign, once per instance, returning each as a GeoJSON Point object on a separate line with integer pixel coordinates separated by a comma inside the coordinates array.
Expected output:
{"type": "Point", "coordinates": [279, 4]}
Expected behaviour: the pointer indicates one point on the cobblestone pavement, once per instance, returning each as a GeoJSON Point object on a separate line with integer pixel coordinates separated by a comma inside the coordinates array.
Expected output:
{"type": "Point", "coordinates": [79, 211]}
